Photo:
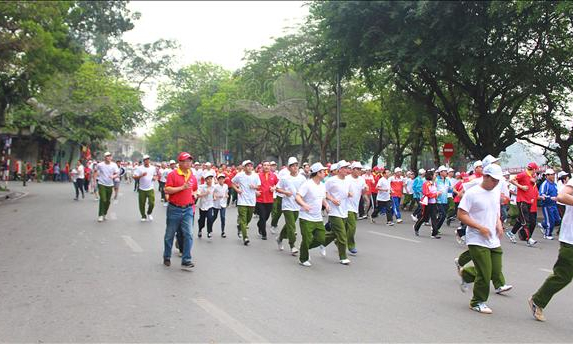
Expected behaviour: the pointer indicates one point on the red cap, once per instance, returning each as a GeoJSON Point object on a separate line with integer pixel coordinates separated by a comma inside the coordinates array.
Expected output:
{"type": "Point", "coordinates": [532, 166]}
{"type": "Point", "coordinates": [184, 156]}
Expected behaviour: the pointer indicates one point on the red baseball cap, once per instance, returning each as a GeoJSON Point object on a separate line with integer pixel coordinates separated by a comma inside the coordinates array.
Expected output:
{"type": "Point", "coordinates": [532, 166]}
{"type": "Point", "coordinates": [184, 156]}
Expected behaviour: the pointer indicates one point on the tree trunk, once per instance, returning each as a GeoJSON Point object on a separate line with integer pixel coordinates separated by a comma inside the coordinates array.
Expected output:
{"type": "Point", "coordinates": [562, 153]}
{"type": "Point", "coordinates": [3, 108]}
{"type": "Point", "coordinates": [434, 138]}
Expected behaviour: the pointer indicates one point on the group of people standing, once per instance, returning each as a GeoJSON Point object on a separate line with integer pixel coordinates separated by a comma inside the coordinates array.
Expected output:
{"type": "Point", "coordinates": [482, 200]}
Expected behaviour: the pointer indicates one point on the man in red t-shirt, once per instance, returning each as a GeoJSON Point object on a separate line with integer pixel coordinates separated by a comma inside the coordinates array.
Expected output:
{"type": "Point", "coordinates": [265, 198]}
{"type": "Point", "coordinates": [526, 197]}
{"type": "Point", "coordinates": [180, 186]}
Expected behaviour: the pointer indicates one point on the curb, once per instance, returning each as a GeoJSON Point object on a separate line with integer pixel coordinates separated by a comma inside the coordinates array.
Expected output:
{"type": "Point", "coordinates": [13, 196]}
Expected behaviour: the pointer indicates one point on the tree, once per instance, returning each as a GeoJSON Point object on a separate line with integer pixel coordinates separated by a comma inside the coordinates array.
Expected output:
{"type": "Point", "coordinates": [471, 64]}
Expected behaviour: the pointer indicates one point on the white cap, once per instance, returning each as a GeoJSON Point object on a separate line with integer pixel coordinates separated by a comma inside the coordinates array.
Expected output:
{"type": "Point", "coordinates": [442, 168]}
{"type": "Point", "coordinates": [291, 160]}
{"type": "Point", "coordinates": [421, 171]}
{"type": "Point", "coordinates": [145, 157]}
{"type": "Point", "coordinates": [478, 164]}
{"type": "Point", "coordinates": [397, 169]}
{"type": "Point", "coordinates": [451, 169]}
{"type": "Point", "coordinates": [246, 162]}
{"type": "Point", "coordinates": [172, 162]}
{"type": "Point", "coordinates": [274, 163]}
{"type": "Point", "coordinates": [209, 174]}
{"type": "Point", "coordinates": [356, 164]}
{"type": "Point", "coordinates": [561, 174]}
{"type": "Point", "coordinates": [458, 174]}
{"type": "Point", "coordinates": [197, 163]}
{"type": "Point", "coordinates": [207, 164]}
{"type": "Point", "coordinates": [549, 171]}
{"type": "Point", "coordinates": [493, 171]}
{"type": "Point", "coordinates": [334, 167]}
{"type": "Point", "coordinates": [489, 160]}
{"type": "Point", "coordinates": [106, 153]}
{"type": "Point", "coordinates": [506, 173]}
{"type": "Point", "coordinates": [221, 176]}
{"type": "Point", "coordinates": [342, 163]}
{"type": "Point", "coordinates": [316, 167]}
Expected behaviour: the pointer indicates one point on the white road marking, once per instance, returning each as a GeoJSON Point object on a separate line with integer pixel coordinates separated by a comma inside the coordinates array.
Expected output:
{"type": "Point", "coordinates": [546, 270]}
{"type": "Point", "coordinates": [394, 237]}
{"type": "Point", "coordinates": [240, 329]}
{"type": "Point", "coordinates": [132, 244]}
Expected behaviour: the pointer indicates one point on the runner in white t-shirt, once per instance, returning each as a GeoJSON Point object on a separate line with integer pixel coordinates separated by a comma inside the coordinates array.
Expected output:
{"type": "Point", "coordinates": [288, 187]}
{"type": "Point", "coordinates": [246, 184]}
{"type": "Point", "coordinates": [479, 210]}
{"type": "Point", "coordinates": [206, 195]}
{"type": "Point", "coordinates": [311, 198]}
{"type": "Point", "coordinates": [357, 189]}
{"type": "Point", "coordinates": [105, 172]}
{"type": "Point", "coordinates": [338, 195]}
{"type": "Point", "coordinates": [220, 195]}
{"type": "Point", "coordinates": [146, 174]}
{"type": "Point", "coordinates": [562, 271]}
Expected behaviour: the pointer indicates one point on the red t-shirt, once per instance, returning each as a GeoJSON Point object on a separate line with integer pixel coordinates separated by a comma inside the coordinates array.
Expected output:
{"type": "Point", "coordinates": [530, 195]}
{"type": "Point", "coordinates": [371, 182]}
{"type": "Point", "coordinates": [396, 186]}
{"type": "Point", "coordinates": [458, 187]}
{"type": "Point", "coordinates": [177, 178]}
{"type": "Point", "coordinates": [268, 180]}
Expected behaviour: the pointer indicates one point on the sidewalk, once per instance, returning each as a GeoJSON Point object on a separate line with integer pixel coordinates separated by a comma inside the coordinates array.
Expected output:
{"type": "Point", "coordinates": [15, 192]}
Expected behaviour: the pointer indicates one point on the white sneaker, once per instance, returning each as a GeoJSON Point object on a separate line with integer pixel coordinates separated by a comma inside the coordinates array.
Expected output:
{"type": "Point", "coordinates": [273, 230]}
{"type": "Point", "coordinates": [414, 218]}
{"type": "Point", "coordinates": [345, 261]}
{"type": "Point", "coordinates": [464, 286]}
{"type": "Point", "coordinates": [322, 250]}
{"type": "Point", "coordinates": [307, 263]}
{"type": "Point", "coordinates": [100, 219]}
{"type": "Point", "coordinates": [150, 217]}
{"type": "Point", "coordinates": [390, 223]}
{"type": "Point", "coordinates": [482, 308]}
{"type": "Point", "coordinates": [531, 242]}
{"type": "Point", "coordinates": [503, 289]}
{"type": "Point", "coordinates": [280, 244]}
{"type": "Point", "coordinates": [294, 251]}
{"type": "Point", "coordinates": [143, 219]}
{"type": "Point", "coordinates": [105, 217]}
{"type": "Point", "coordinates": [399, 221]}
{"type": "Point", "coordinates": [549, 237]}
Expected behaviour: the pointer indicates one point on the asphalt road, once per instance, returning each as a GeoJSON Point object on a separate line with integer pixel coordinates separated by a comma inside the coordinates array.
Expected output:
{"type": "Point", "coordinates": [66, 278]}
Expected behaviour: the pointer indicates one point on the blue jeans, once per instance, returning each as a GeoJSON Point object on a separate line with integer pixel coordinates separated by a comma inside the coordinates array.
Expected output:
{"type": "Point", "coordinates": [179, 219]}
{"type": "Point", "coordinates": [396, 206]}
{"type": "Point", "coordinates": [221, 211]}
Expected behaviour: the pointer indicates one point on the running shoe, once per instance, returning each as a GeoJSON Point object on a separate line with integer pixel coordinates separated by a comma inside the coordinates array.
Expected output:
{"type": "Point", "coordinates": [294, 251]}
{"type": "Point", "coordinates": [390, 223]}
{"type": "Point", "coordinates": [273, 230]}
{"type": "Point", "coordinates": [307, 263]}
{"type": "Point", "coordinates": [187, 266]}
{"type": "Point", "coordinates": [536, 310]}
{"type": "Point", "coordinates": [223, 235]}
{"type": "Point", "coordinates": [246, 242]}
{"type": "Point", "coordinates": [436, 237]}
{"type": "Point", "coordinates": [414, 218]}
{"type": "Point", "coordinates": [353, 251]}
{"type": "Point", "coordinates": [458, 266]}
{"type": "Point", "coordinates": [511, 237]}
{"type": "Point", "coordinates": [209, 235]}
{"type": "Point", "coordinates": [345, 261]}
{"type": "Point", "coordinates": [399, 221]}
{"type": "Point", "coordinates": [150, 217]}
{"type": "Point", "coordinates": [464, 286]}
{"type": "Point", "coordinates": [503, 289]}
{"type": "Point", "coordinates": [166, 262]}
{"type": "Point", "coordinates": [481, 308]}
{"type": "Point", "coordinates": [143, 219]}
{"type": "Point", "coordinates": [199, 234]}
{"type": "Point", "coordinates": [280, 244]}
{"type": "Point", "coordinates": [322, 250]}
{"type": "Point", "coordinates": [100, 219]}
{"type": "Point", "coordinates": [531, 242]}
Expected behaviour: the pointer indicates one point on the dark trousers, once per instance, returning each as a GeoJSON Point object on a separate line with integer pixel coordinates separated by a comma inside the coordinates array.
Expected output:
{"type": "Point", "coordinates": [361, 207]}
{"type": "Point", "coordinates": [374, 204]}
{"type": "Point", "coordinates": [216, 213]}
{"type": "Point", "coordinates": [206, 215]}
{"type": "Point", "coordinates": [86, 184]}
{"type": "Point", "coordinates": [384, 205]}
{"type": "Point", "coordinates": [418, 211]}
{"type": "Point", "coordinates": [524, 221]}
{"type": "Point", "coordinates": [136, 185]}
{"type": "Point", "coordinates": [264, 211]}
{"type": "Point", "coordinates": [162, 190]}
{"type": "Point", "coordinates": [442, 209]}
{"type": "Point", "coordinates": [79, 186]}
{"type": "Point", "coordinates": [428, 212]}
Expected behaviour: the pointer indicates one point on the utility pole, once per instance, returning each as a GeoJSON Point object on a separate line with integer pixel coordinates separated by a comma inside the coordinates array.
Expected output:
{"type": "Point", "coordinates": [338, 106]}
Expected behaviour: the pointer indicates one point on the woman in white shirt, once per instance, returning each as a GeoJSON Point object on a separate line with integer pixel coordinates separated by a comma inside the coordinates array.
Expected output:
{"type": "Point", "coordinates": [205, 193]}
{"type": "Point", "coordinates": [220, 196]}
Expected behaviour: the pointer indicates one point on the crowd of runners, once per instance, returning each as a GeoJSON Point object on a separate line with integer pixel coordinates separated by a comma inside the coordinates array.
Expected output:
{"type": "Point", "coordinates": [328, 201]}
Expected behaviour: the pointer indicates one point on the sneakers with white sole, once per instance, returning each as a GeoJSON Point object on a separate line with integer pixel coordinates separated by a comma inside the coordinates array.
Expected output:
{"type": "Point", "coordinates": [504, 288]}
{"type": "Point", "coordinates": [100, 219]}
{"type": "Point", "coordinates": [322, 250]}
{"type": "Point", "coordinates": [531, 242]}
{"type": "Point", "coordinates": [307, 263]}
{"type": "Point", "coordinates": [511, 237]}
{"type": "Point", "coordinates": [481, 308]}
{"type": "Point", "coordinates": [536, 310]}
{"type": "Point", "coordinates": [273, 230]}
{"type": "Point", "coordinates": [280, 244]}
{"type": "Point", "coordinates": [458, 266]}
{"type": "Point", "coordinates": [294, 251]}
{"type": "Point", "coordinates": [399, 221]}
{"type": "Point", "coordinates": [149, 217]}
{"type": "Point", "coordinates": [414, 218]}
{"type": "Point", "coordinates": [345, 261]}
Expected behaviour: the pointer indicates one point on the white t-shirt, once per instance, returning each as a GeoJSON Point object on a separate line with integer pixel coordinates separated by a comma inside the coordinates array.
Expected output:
{"type": "Point", "coordinates": [383, 195]}
{"type": "Point", "coordinates": [146, 182]}
{"type": "Point", "coordinates": [207, 201]}
{"type": "Point", "coordinates": [357, 186]}
{"type": "Point", "coordinates": [560, 187]}
{"type": "Point", "coordinates": [313, 194]}
{"type": "Point", "coordinates": [338, 189]}
{"type": "Point", "coordinates": [512, 197]}
{"type": "Point", "coordinates": [74, 175]}
{"type": "Point", "coordinates": [409, 186]}
{"type": "Point", "coordinates": [472, 183]}
{"type": "Point", "coordinates": [291, 184]}
{"type": "Point", "coordinates": [566, 231]}
{"type": "Point", "coordinates": [284, 173]}
{"type": "Point", "coordinates": [81, 172]}
{"type": "Point", "coordinates": [105, 173]}
{"type": "Point", "coordinates": [483, 207]}
{"type": "Point", "coordinates": [248, 197]}
{"type": "Point", "coordinates": [504, 187]}
{"type": "Point", "coordinates": [221, 192]}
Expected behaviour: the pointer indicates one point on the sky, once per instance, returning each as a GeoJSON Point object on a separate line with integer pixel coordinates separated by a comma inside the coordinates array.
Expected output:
{"type": "Point", "coordinates": [212, 31]}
